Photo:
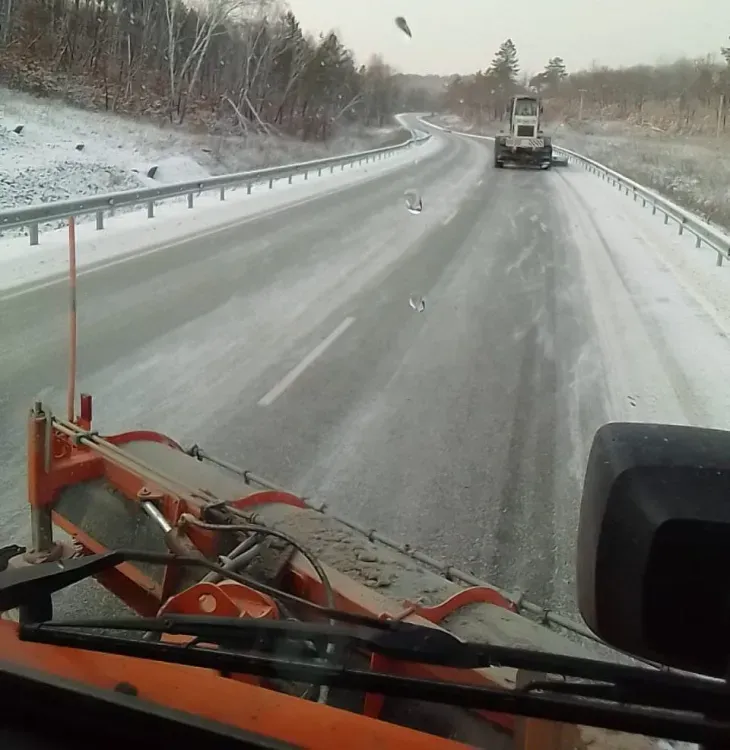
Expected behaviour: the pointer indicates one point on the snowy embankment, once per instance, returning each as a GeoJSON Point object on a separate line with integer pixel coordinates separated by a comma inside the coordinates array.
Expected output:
{"type": "Point", "coordinates": [131, 234]}
{"type": "Point", "coordinates": [50, 151]}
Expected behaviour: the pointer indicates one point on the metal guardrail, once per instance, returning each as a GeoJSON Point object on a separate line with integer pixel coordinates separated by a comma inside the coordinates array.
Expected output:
{"type": "Point", "coordinates": [704, 233]}
{"type": "Point", "coordinates": [686, 221]}
{"type": "Point", "coordinates": [33, 216]}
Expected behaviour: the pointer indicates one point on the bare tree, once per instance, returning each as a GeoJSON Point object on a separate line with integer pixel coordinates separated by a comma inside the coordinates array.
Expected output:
{"type": "Point", "coordinates": [242, 62]}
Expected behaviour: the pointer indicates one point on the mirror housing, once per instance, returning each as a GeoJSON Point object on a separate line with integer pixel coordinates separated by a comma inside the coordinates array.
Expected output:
{"type": "Point", "coordinates": [653, 558]}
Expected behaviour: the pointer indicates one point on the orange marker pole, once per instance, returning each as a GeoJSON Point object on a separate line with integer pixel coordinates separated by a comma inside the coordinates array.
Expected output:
{"type": "Point", "coordinates": [71, 398]}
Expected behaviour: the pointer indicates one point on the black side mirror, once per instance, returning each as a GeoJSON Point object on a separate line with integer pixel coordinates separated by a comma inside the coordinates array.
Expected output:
{"type": "Point", "coordinates": [654, 544]}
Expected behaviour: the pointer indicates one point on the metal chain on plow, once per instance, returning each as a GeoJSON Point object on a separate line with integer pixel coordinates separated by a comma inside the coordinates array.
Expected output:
{"type": "Point", "coordinates": [451, 573]}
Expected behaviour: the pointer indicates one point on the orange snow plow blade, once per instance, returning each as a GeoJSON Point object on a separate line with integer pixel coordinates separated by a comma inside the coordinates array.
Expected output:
{"type": "Point", "coordinates": [268, 619]}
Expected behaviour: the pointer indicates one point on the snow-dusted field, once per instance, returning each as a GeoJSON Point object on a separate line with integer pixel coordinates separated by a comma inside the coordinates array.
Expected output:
{"type": "Point", "coordinates": [693, 171]}
{"type": "Point", "coordinates": [41, 163]}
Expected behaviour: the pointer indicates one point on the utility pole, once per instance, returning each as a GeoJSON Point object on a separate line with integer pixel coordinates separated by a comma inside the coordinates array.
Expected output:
{"type": "Point", "coordinates": [720, 112]}
{"type": "Point", "coordinates": [6, 8]}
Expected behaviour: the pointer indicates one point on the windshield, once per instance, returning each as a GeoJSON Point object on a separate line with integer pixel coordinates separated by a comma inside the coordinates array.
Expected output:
{"type": "Point", "coordinates": [525, 108]}
{"type": "Point", "coordinates": [312, 240]}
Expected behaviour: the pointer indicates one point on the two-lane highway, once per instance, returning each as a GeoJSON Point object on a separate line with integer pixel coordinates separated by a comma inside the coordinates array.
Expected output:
{"type": "Point", "coordinates": [288, 346]}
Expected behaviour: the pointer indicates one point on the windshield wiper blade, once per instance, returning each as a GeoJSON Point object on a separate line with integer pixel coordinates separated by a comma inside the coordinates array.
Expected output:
{"type": "Point", "coordinates": [401, 640]}
{"type": "Point", "coordinates": [410, 642]}
{"type": "Point", "coordinates": [31, 587]}
{"type": "Point", "coordinates": [669, 724]}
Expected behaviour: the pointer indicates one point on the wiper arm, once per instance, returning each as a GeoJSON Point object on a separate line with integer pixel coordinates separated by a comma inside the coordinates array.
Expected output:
{"type": "Point", "coordinates": [411, 642]}
{"type": "Point", "coordinates": [400, 640]}
{"type": "Point", "coordinates": [30, 588]}
{"type": "Point", "coordinates": [673, 724]}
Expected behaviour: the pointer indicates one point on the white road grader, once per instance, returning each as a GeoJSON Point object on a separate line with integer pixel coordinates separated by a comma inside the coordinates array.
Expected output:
{"type": "Point", "coordinates": [525, 144]}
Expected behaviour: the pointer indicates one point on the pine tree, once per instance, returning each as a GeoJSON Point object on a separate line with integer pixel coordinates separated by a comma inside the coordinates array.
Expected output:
{"type": "Point", "coordinates": [555, 70]}
{"type": "Point", "coordinates": [550, 78]}
{"type": "Point", "coordinates": [505, 65]}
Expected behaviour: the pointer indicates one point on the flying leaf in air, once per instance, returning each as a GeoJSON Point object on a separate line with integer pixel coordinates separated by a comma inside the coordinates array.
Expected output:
{"type": "Point", "coordinates": [402, 24]}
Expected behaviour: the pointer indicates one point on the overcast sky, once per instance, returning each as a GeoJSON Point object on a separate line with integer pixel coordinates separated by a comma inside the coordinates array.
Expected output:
{"type": "Point", "coordinates": [461, 36]}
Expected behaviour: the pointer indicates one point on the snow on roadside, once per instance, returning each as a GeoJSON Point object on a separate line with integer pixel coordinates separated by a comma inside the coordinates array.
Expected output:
{"type": "Point", "coordinates": [42, 163]}
{"type": "Point", "coordinates": [660, 307]}
{"type": "Point", "coordinates": [133, 233]}
{"type": "Point", "coordinates": [691, 171]}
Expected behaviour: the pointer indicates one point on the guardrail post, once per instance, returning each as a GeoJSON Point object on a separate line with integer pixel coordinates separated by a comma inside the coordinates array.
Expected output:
{"type": "Point", "coordinates": [223, 193]}
{"type": "Point", "coordinates": [319, 172]}
{"type": "Point", "coordinates": [682, 225]}
{"type": "Point", "coordinates": [666, 218]}
{"type": "Point", "coordinates": [190, 200]}
{"type": "Point", "coordinates": [150, 209]}
{"type": "Point", "coordinates": [342, 167]}
{"type": "Point", "coordinates": [306, 175]}
{"type": "Point", "coordinates": [719, 259]}
{"type": "Point", "coordinates": [33, 233]}
{"type": "Point", "coordinates": [99, 220]}
{"type": "Point", "coordinates": [271, 182]}
{"type": "Point", "coordinates": [698, 241]}
{"type": "Point", "coordinates": [653, 209]}
{"type": "Point", "coordinates": [249, 188]}
{"type": "Point", "coordinates": [332, 169]}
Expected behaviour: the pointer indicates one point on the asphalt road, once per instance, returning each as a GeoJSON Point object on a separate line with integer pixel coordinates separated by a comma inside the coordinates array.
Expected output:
{"type": "Point", "coordinates": [288, 346]}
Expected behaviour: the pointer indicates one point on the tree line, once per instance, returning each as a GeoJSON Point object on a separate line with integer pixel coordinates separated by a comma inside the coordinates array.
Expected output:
{"type": "Point", "coordinates": [246, 62]}
{"type": "Point", "coordinates": [689, 95]}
